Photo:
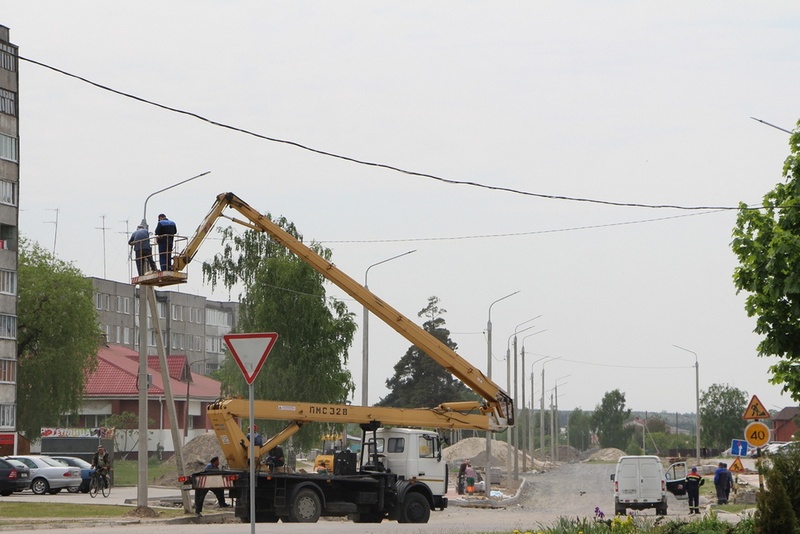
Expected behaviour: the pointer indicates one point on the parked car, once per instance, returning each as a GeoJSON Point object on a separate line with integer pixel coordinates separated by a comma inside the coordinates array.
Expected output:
{"type": "Point", "coordinates": [14, 476]}
{"type": "Point", "coordinates": [48, 475]}
{"type": "Point", "coordinates": [86, 472]}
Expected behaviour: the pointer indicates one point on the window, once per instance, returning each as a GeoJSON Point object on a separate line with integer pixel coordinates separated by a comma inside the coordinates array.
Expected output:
{"type": "Point", "coordinates": [8, 148]}
{"type": "Point", "coordinates": [397, 444]}
{"type": "Point", "coordinates": [162, 310]}
{"type": "Point", "coordinates": [8, 102]}
{"type": "Point", "coordinates": [8, 282]}
{"type": "Point", "coordinates": [126, 336]}
{"type": "Point", "coordinates": [7, 416]}
{"type": "Point", "coordinates": [8, 193]}
{"type": "Point", "coordinates": [8, 57]}
{"type": "Point", "coordinates": [177, 312]}
{"type": "Point", "coordinates": [198, 343]}
{"type": "Point", "coordinates": [98, 299]}
{"type": "Point", "coordinates": [8, 327]}
{"type": "Point", "coordinates": [427, 446]}
{"type": "Point", "coordinates": [8, 371]}
{"type": "Point", "coordinates": [118, 334]}
{"type": "Point", "coordinates": [108, 302]}
{"type": "Point", "coordinates": [126, 305]}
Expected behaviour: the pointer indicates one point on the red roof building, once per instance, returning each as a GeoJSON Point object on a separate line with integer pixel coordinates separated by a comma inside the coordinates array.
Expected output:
{"type": "Point", "coordinates": [112, 390]}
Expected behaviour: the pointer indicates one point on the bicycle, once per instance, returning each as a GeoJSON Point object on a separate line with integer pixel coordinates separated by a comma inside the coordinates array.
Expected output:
{"type": "Point", "coordinates": [99, 483]}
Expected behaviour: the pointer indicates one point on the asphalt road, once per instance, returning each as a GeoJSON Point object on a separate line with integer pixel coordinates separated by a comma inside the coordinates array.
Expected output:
{"type": "Point", "coordinates": [571, 490]}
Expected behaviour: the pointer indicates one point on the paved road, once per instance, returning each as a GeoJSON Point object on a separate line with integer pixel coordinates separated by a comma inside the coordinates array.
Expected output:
{"type": "Point", "coordinates": [572, 490]}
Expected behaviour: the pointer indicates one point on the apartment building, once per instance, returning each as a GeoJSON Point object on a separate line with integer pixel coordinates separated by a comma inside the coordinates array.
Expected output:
{"type": "Point", "coordinates": [190, 324]}
{"type": "Point", "coordinates": [9, 221]}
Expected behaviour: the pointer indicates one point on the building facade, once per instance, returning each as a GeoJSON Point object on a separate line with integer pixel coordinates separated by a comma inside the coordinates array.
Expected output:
{"type": "Point", "coordinates": [189, 324]}
{"type": "Point", "coordinates": [9, 221]}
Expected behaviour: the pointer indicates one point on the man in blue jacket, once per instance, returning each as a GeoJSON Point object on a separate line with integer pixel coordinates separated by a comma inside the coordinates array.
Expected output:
{"type": "Point", "coordinates": [165, 235]}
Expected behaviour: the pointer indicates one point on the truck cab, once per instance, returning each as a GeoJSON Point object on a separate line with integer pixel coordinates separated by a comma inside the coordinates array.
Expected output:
{"type": "Point", "coordinates": [412, 454]}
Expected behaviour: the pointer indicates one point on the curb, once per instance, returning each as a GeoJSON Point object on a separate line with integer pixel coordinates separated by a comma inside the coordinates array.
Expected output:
{"type": "Point", "coordinates": [488, 502]}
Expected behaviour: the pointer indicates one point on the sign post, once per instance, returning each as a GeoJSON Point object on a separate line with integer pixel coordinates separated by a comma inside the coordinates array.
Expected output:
{"type": "Point", "coordinates": [250, 351]}
{"type": "Point", "coordinates": [756, 433]}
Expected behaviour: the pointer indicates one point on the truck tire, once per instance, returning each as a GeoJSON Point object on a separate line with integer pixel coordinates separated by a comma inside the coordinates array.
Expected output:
{"type": "Point", "coordinates": [414, 509]}
{"type": "Point", "coordinates": [661, 509]}
{"type": "Point", "coordinates": [619, 510]}
{"type": "Point", "coordinates": [306, 507]}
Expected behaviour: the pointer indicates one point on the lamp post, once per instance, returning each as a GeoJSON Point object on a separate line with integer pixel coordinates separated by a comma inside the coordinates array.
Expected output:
{"type": "Point", "coordinates": [365, 335]}
{"type": "Point", "coordinates": [557, 428]}
{"type": "Point", "coordinates": [528, 420]}
{"type": "Point", "coordinates": [511, 435]}
{"type": "Point", "coordinates": [541, 410]}
{"type": "Point", "coordinates": [489, 374]}
{"type": "Point", "coordinates": [141, 483]}
{"type": "Point", "coordinates": [697, 402]}
{"type": "Point", "coordinates": [516, 398]}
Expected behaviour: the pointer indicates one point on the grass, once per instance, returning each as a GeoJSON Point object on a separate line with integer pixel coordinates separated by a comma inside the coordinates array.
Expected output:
{"type": "Point", "coordinates": [25, 510]}
{"type": "Point", "coordinates": [126, 472]}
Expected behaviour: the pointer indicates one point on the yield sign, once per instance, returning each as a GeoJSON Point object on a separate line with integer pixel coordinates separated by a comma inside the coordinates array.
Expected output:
{"type": "Point", "coordinates": [250, 351]}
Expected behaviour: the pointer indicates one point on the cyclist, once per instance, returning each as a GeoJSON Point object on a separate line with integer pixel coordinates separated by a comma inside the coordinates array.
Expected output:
{"type": "Point", "coordinates": [101, 464]}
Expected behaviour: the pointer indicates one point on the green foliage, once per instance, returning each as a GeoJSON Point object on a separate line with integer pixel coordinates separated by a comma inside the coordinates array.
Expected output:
{"type": "Point", "coordinates": [579, 429]}
{"type": "Point", "coordinates": [767, 244]}
{"type": "Point", "coordinates": [609, 419]}
{"type": "Point", "coordinates": [643, 524]}
{"type": "Point", "coordinates": [656, 424]}
{"type": "Point", "coordinates": [283, 294]}
{"type": "Point", "coordinates": [57, 338]}
{"type": "Point", "coordinates": [773, 508]}
{"type": "Point", "coordinates": [786, 469]}
{"type": "Point", "coordinates": [419, 381]}
{"type": "Point", "coordinates": [721, 409]}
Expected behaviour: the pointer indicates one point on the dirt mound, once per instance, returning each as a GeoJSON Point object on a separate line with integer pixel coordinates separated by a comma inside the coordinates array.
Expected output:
{"type": "Point", "coordinates": [143, 511]}
{"type": "Point", "coordinates": [474, 449]}
{"type": "Point", "coordinates": [196, 455]}
{"type": "Point", "coordinates": [606, 455]}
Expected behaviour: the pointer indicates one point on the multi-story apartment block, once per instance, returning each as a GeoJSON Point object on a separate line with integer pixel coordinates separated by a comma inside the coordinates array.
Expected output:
{"type": "Point", "coordinates": [190, 324]}
{"type": "Point", "coordinates": [9, 221]}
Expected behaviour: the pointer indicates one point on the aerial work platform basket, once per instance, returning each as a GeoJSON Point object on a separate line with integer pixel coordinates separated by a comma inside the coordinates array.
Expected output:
{"type": "Point", "coordinates": [150, 263]}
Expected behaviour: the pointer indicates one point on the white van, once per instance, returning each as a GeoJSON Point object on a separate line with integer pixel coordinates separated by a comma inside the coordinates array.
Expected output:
{"type": "Point", "coordinates": [639, 483]}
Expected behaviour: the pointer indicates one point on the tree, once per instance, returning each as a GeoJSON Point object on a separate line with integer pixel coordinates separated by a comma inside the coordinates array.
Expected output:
{"type": "Point", "coordinates": [579, 429]}
{"type": "Point", "coordinates": [721, 409]}
{"type": "Point", "coordinates": [609, 419]}
{"type": "Point", "coordinates": [57, 338]}
{"type": "Point", "coordinates": [419, 381]}
{"type": "Point", "coordinates": [282, 293]}
{"type": "Point", "coordinates": [767, 244]}
{"type": "Point", "coordinates": [656, 424]}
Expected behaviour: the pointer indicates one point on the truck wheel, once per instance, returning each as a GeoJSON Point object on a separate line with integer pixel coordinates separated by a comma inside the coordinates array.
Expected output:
{"type": "Point", "coordinates": [306, 507]}
{"type": "Point", "coordinates": [415, 509]}
{"type": "Point", "coordinates": [661, 509]}
{"type": "Point", "coordinates": [619, 510]}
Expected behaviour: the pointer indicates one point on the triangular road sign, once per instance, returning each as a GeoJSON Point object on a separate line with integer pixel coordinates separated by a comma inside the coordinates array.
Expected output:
{"type": "Point", "coordinates": [736, 466]}
{"type": "Point", "coordinates": [755, 410]}
{"type": "Point", "coordinates": [250, 351]}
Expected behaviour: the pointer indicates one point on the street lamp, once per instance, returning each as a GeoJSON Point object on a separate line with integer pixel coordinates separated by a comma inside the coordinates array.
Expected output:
{"type": "Point", "coordinates": [541, 409]}
{"type": "Point", "coordinates": [556, 429]}
{"type": "Point", "coordinates": [365, 335]}
{"type": "Point", "coordinates": [141, 490]}
{"type": "Point", "coordinates": [697, 402]}
{"type": "Point", "coordinates": [489, 374]}
{"type": "Point", "coordinates": [511, 435]}
{"type": "Point", "coordinates": [516, 398]}
{"type": "Point", "coordinates": [528, 432]}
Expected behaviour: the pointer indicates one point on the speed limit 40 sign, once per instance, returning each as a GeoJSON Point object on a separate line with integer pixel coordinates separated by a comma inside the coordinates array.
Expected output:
{"type": "Point", "coordinates": [756, 434]}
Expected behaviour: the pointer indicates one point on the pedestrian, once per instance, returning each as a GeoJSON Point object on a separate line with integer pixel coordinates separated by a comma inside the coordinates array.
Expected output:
{"type": "Point", "coordinates": [165, 235]}
{"type": "Point", "coordinates": [461, 481]}
{"type": "Point", "coordinates": [693, 483]}
{"type": "Point", "coordinates": [721, 483]}
{"type": "Point", "coordinates": [469, 471]}
{"type": "Point", "coordinates": [140, 241]}
{"type": "Point", "coordinates": [730, 486]}
{"type": "Point", "coordinates": [200, 493]}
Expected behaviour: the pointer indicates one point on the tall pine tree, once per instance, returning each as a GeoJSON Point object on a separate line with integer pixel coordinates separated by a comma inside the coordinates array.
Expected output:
{"type": "Point", "coordinates": [419, 381]}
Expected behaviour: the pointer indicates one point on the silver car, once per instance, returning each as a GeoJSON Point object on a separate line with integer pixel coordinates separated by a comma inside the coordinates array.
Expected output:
{"type": "Point", "coordinates": [49, 475]}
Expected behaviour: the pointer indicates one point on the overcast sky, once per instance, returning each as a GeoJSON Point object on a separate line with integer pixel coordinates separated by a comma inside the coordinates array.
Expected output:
{"type": "Point", "coordinates": [626, 102]}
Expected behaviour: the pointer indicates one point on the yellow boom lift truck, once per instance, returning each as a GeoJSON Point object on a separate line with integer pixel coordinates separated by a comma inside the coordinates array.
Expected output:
{"type": "Point", "coordinates": [401, 474]}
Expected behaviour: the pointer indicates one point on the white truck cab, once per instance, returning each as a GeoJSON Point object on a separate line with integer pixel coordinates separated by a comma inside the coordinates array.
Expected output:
{"type": "Point", "coordinates": [640, 483]}
{"type": "Point", "coordinates": [413, 454]}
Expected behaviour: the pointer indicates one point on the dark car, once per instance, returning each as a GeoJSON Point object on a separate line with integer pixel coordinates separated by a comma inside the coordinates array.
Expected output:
{"type": "Point", "coordinates": [14, 476]}
{"type": "Point", "coordinates": [86, 472]}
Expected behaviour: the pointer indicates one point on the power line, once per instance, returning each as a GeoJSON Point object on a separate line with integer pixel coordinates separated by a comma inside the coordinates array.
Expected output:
{"type": "Point", "coordinates": [372, 163]}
